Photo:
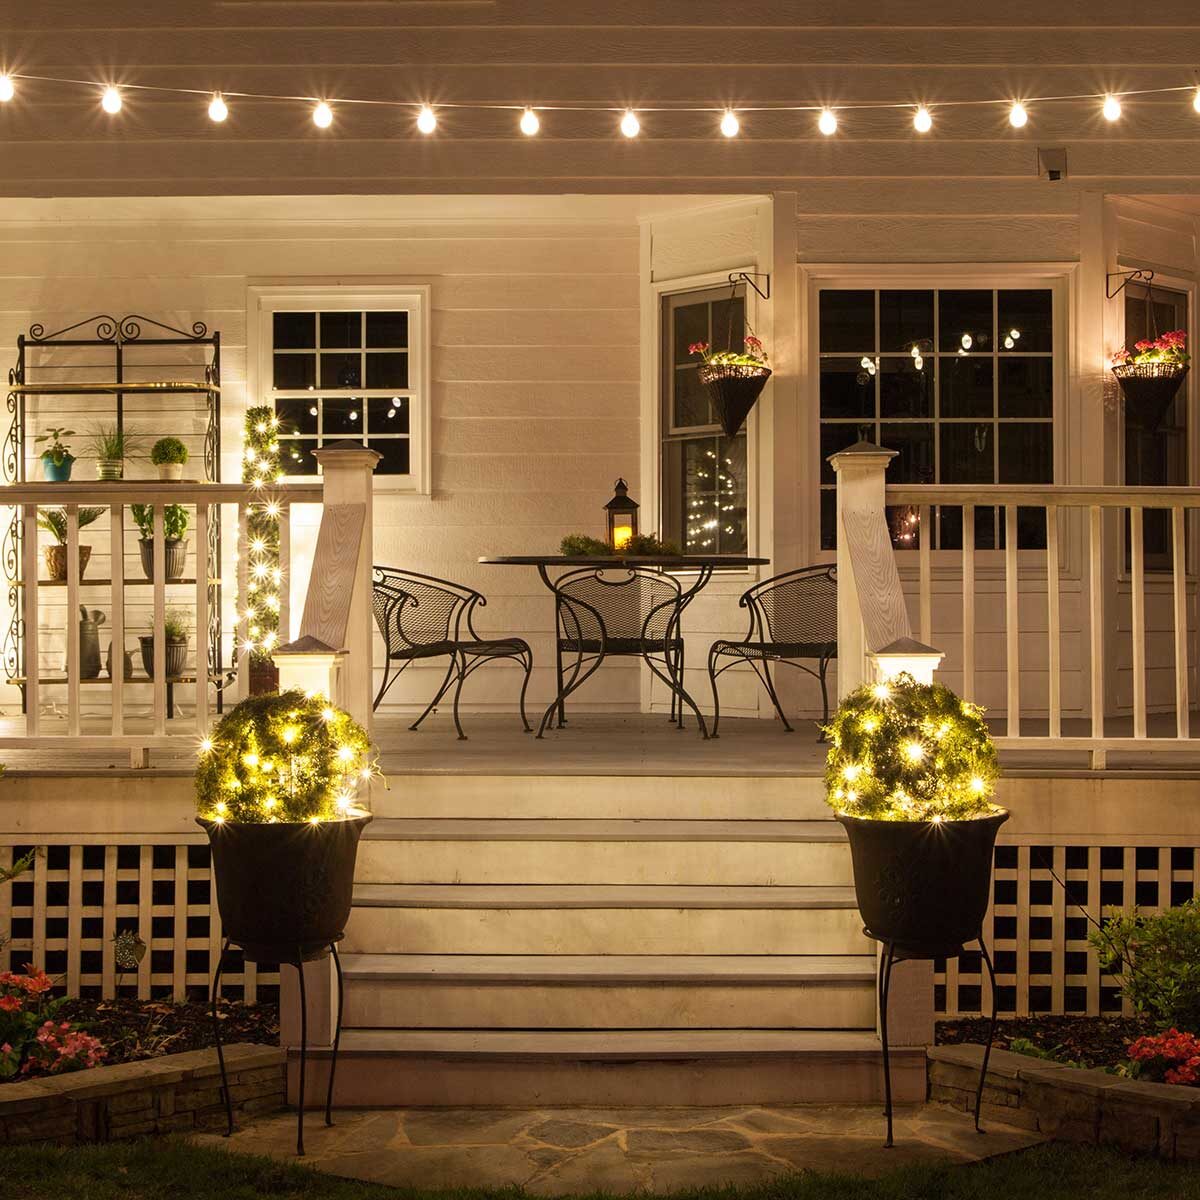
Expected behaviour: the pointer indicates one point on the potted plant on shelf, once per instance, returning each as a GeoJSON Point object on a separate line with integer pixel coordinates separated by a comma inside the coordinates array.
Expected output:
{"type": "Point", "coordinates": [110, 445]}
{"type": "Point", "coordinates": [910, 773]}
{"type": "Point", "coordinates": [175, 527]}
{"type": "Point", "coordinates": [54, 522]}
{"type": "Point", "coordinates": [734, 379]}
{"type": "Point", "coordinates": [175, 634]}
{"type": "Point", "coordinates": [169, 454]}
{"type": "Point", "coordinates": [57, 458]}
{"type": "Point", "coordinates": [1150, 375]}
{"type": "Point", "coordinates": [276, 792]}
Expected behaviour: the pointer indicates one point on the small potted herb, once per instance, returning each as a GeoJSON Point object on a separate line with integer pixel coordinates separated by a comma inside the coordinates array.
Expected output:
{"type": "Point", "coordinates": [54, 522]}
{"type": "Point", "coordinates": [175, 527]}
{"type": "Point", "coordinates": [734, 379]}
{"type": "Point", "coordinates": [175, 633]}
{"type": "Point", "coordinates": [1150, 375]}
{"type": "Point", "coordinates": [110, 446]}
{"type": "Point", "coordinates": [57, 458]}
{"type": "Point", "coordinates": [169, 454]}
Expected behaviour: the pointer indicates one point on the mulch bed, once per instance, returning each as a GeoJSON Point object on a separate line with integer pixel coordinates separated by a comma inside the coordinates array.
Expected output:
{"type": "Point", "coordinates": [1093, 1041]}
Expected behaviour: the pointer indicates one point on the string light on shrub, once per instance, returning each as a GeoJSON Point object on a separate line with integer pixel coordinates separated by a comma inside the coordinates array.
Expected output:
{"type": "Point", "coordinates": [1018, 116]}
{"type": "Point", "coordinates": [630, 125]}
{"type": "Point", "coordinates": [426, 120]}
{"type": "Point", "coordinates": [730, 124]}
{"type": "Point", "coordinates": [322, 115]}
{"type": "Point", "coordinates": [110, 100]}
{"type": "Point", "coordinates": [1112, 108]}
{"type": "Point", "coordinates": [261, 604]}
{"type": "Point", "coordinates": [827, 122]}
{"type": "Point", "coordinates": [8, 91]}
{"type": "Point", "coordinates": [218, 110]}
{"type": "Point", "coordinates": [922, 120]}
{"type": "Point", "coordinates": [530, 123]}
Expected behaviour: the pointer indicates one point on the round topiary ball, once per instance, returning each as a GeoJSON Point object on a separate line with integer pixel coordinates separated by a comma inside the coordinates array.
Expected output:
{"type": "Point", "coordinates": [283, 757]}
{"type": "Point", "coordinates": [909, 751]}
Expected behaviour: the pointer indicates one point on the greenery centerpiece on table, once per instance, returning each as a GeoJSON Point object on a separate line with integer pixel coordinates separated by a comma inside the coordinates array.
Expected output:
{"type": "Point", "coordinates": [641, 545]}
{"type": "Point", "coordinates": [277, 790]}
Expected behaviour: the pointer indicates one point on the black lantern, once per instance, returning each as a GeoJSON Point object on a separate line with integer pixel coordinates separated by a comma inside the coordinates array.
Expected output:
{"type": "Point", "coordinates": [622, 515]}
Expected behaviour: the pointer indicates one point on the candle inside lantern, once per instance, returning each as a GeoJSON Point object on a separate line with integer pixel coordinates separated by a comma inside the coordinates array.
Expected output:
{"type": "Point", "coordinates": [622, 534]}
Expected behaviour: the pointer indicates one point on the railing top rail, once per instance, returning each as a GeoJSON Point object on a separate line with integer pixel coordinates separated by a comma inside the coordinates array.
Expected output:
{"type": "Point", "coordinates": [1039, 495]}
{"type": "Point", "coordinates": [154, 491]}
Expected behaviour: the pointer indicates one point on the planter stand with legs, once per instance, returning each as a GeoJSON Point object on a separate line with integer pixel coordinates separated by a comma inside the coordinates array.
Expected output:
{"type": "Point", "coordinates": [298, 963]}
{"type": "Point", "coordinates": [893, 953]}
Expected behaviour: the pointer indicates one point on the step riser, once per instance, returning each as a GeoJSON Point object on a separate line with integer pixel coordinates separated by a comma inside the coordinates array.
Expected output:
{"type": "Point", "coordinates": [404, 1081]}
{"type": "Point", "coordinates": [605, 931]}
{"type": "Point", "coordinates": [582, 862]}
{"type": "Point", "coordinates": [394, 1004]}
{"type": "Point", "coordinates": [617, 797]}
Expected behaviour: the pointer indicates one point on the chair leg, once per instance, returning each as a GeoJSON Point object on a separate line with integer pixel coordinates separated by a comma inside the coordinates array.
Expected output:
{"type": "Point", "coordinates": [462, 678]}
{"type": "Point", "coordinates": [712, 679]}
{"type": "Point", "coordinates": [774, 698]}
{"type": "Point", "coordinates": [824, 699]}
{"type": "Point", "coordinates": [527, 662]}
{"type": "Point", "coordinates": [679, 664]}
{"type": "Point", "coordinates": [561, 706]}
{"type": "Point", "coordinates": [438, 695]}
{"type": "Point", "coordinates": [383, 687]}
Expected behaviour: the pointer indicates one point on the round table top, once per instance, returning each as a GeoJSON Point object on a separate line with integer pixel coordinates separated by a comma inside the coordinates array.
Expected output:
{"type": "Point", "coordinates": [684, 561]}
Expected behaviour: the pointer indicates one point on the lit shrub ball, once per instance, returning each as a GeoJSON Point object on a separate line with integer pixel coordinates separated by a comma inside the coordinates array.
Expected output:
{"type": "Point", "coordinates": [286, 757]}
{"type": "Point", "coordinates": [909, 751]}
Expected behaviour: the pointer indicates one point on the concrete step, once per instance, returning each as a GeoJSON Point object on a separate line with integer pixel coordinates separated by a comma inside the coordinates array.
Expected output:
{"type": "Point", "coordinates": [603, 919]}
{"type": "Point", "coordinates": [454, 793]}
{"type": "Point", "coordinates": [489, 991]}
{"type": "Point", "coordinates": [535, 851]}
{"type": "Point", "coordinates": [409, 1068]}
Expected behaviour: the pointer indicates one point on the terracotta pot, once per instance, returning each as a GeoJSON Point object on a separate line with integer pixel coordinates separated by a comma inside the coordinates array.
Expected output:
{"type": "Point", "coordinates": [55, 557]}
{"type": "Point", "coordinates": [923, 885]}
{"type": "Point", "coordinates": [284, 890]}
{"type": "Point", "coordinates": [175, 550]}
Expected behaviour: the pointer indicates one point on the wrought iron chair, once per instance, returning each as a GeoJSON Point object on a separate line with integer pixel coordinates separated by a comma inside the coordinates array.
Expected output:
{"type": "Point", "coordinates": [623, 611]}
{"type": "Point", "coordinates": [422, 617]}
{"type": "Point", "coordinates": [793, 617]}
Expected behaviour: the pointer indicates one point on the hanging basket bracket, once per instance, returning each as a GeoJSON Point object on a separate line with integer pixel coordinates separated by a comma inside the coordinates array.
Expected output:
{"type": "Point", "coordinates": [1126, 278]}
{"type": "Point", "coordinates": [748, 277]}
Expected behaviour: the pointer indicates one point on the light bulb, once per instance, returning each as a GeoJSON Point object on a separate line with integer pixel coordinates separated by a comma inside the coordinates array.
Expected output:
{"type": "Point", "coordinates": [426, 120]}
{"type": "Point", "coordinates": [1018, 116]}
{"type": "Point", "coordinates": [111, 100]}
{"type": "Point", "coordinates": [1195, 98]}
{"type": "Point", "coordinates": [322, 115]}
{"type": "Point", "coordinates": [1112, 108]}
{"type": "Point", "coordinates": [730, 124]}
{"type": "Point", "coordinates": [630, 125]}
{"type": "Point", "coordinates": [827, 122]}
{"type": "Point", "coordinates": [530, 123]}
{"type": "Point", "coordinates": [922, 120]}
{"type": "Point", "coordinates": [7, 91]}
{"type": "Point", "coordinates": [218, 110]}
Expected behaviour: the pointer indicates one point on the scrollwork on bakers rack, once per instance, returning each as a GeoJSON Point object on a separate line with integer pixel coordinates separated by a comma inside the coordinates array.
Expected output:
{"type": "Point", "coordinates": [128, 328]}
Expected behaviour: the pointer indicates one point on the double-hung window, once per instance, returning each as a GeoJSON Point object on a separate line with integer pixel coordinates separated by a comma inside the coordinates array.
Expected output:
{"type": "Point", "coordinates": [959, 381]}
{"type": "Point", "coordinates": [343, 365]}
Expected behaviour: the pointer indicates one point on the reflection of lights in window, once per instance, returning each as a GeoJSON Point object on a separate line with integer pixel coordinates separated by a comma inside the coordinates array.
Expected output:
{"type": "Point", "coordinates": [967, 341]}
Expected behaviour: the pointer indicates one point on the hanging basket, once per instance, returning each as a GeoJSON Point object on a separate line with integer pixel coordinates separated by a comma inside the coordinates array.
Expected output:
{"type": "Point", "coordinates": [733, 389]}
{"type": "Point", "coordinates": [1150, 389]}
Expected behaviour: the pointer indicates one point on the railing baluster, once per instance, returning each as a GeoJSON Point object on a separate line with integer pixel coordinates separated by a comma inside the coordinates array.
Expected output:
{"type": "Point", "coordinates": [285, 573]}
{"type": "Point", "coordinates": [1012, 629]}
{"type": "Point", "coordinates": [1138, 617]}
{"type": "Point", "coordinates": [968, 601]}
{"type": "Point", "coordinates": [1179, 589]}
{"type": "Point", "coordinates": [1096, 628]}
{"type": "Point", "coordinates": [160, 617]}
{"type": "Point", "coordinates": [116, 517]}
{"type": "Point", "coordinates": [73, 697]}
{"type": "Point", "coordinates": [1053, 624]}
{"type": "Point", "coordinates": [30, 569]}
{"type": "Point", "coordinates": [202, 567]}
{"type": "Point", "coordinates": [925, 534]}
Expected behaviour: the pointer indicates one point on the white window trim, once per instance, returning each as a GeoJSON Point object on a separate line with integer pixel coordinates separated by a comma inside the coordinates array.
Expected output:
{"type": "Point", "coordinates": [263, 301]}
{"type": "Point", "coordinates": [1060, 277]}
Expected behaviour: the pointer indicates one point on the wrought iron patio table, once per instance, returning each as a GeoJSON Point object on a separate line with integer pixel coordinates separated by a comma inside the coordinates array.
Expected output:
{"type": "Point", "coordinates": [556, 570]}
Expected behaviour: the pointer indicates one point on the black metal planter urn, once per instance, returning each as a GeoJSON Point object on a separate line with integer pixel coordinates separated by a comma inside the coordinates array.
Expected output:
{"type": "Point", "coordinates": [733, 389]}
{"type": "Point", "coordinates": [284, 889]}
{"type": "Point", "coordinates": [923, 886]}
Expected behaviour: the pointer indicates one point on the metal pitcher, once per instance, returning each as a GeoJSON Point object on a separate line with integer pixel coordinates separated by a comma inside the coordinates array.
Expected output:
{"type": "Point", "coordinates": [89, 642]}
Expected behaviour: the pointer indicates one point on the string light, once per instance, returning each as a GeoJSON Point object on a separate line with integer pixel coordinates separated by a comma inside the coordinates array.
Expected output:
{"type": "Point", "coordinates": [1112, 108]}
{"type": "Point", "coordinates": [426, 120]}
{"type": "Point", "coordinates": [1018, 116]}
{"type": "Point", "coordinates": [218, 110]}
{"type": "Point", "coordinates": [530, 123]}
{"type": "Point", "coordinates": [322, 115]}
{"type": "Point", "coordinates": [630, 125]}
{"type": "Point", "coordinates": [922, 120]}
{"type": "Point", "coordinates": [730, 124]}
{"type": "Point", "coordinates": [8, 91]}
{"type": "Point", "coordinates": [110, 101]}
{"type": "Point", "coordinates": [827, 122]}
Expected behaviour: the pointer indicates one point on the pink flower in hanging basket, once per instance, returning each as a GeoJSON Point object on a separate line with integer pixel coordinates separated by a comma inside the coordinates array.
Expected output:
{"type": "Point", "coordinates": [1168, 347]}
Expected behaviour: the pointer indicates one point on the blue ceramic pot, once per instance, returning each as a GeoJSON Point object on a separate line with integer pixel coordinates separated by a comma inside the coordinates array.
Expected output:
{"type": "Point", "coordinates": [57, 472]}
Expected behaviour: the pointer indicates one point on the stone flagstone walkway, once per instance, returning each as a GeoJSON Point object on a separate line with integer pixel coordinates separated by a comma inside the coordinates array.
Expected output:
{"type": "Point", "coordinates": [556, 1151]}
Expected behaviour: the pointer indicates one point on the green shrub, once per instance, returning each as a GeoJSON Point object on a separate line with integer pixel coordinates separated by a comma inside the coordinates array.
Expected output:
{"type": "Point", "coordinates": [175, 625]}
{"type": "Point", "coordinates": [54, 521]}
{"type": "Point", "coordinates": [110, 444]}
{"type": "Point", "coordinates": [168, 450]}
{"type": "Point", "coordinates": [1156, 956]}
{"type": "Point", "coordinates": [175, 520]}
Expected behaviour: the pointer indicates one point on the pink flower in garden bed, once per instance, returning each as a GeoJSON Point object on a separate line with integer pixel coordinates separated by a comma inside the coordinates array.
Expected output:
{"type": "Point", "coordinates": [31, 1041]}
{"type": "Point", "coordinates": [1170, 1057]}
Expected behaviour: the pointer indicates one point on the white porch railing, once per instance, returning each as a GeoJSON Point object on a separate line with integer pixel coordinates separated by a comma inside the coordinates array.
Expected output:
{"type": "Point", "coordinates": [1085, 548]}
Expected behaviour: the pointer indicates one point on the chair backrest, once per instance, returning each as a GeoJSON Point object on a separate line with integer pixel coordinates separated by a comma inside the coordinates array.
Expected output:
{"type": "Point", "coordinates": [614, 603]}
{"type": "Point", "coordinates": [415, 610]}
{"type": "Point", "coordinates": [796, 608]}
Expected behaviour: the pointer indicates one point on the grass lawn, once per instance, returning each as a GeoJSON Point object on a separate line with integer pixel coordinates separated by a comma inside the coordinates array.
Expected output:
{"type": "Point", "coordinates": [166, 1168]}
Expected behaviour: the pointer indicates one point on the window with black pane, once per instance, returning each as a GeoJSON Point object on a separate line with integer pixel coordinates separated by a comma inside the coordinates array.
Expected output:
{"type": "Point", "coordinates": [704, 474]}
{"type": "Point", "coordinates": [959, 381]}
{"type": "Point", "coordinates": [343, 374]}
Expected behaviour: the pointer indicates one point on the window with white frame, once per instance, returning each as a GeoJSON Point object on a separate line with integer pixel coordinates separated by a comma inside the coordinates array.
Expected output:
{"type": "Point", "coordinates": [342, 364]}
{"type": "Point", "coordinates": [959, 381]}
